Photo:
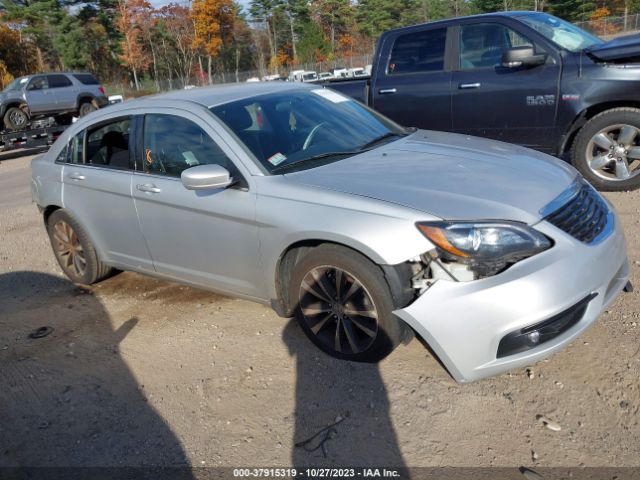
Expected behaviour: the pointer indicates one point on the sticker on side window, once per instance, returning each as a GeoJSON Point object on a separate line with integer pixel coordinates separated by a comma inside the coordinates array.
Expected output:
{"type": "Point", "coordinates": [330, 95]}
{"type": "Point", "coordinates": [276, 159]}
{"type": "Point", "coordinates": [190, 159]}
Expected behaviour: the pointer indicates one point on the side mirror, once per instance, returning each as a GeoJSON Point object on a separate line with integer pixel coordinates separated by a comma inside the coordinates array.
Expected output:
{"type": "Point", "coordinates": [524, 56]}
{"type": "Point", "coordinates": [206, 177]}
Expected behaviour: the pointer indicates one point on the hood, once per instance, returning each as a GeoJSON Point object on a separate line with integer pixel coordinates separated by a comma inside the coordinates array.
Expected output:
{"type": "Point", "coordinates": [450, 176]}
{"type": "Point", "coordinates": [621, 48]}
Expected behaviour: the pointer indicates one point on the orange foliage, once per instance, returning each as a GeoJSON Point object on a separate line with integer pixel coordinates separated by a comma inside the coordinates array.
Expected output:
{"type": "Point", "coordinates": [598, 23]}
{"type": "Point", "coordinates": [213, 20]}
{"type": "Point", "coordinates": [134, 17]}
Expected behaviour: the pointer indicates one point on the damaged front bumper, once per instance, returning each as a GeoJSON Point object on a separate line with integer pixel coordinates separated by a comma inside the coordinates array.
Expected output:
{"type": "Point", "coordinates": [563, 290]}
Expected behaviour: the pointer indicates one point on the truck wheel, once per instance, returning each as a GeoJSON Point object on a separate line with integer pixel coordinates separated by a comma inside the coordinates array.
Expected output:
{"type": "Point", "coordinates": [74, 251]}
{"type": "Point", "coordinates": [344, 304]}
{"type": "Point", "coordinates": [16, 119]}
{"type": "Point", "coordinates": [86, 108]}
{"type": "Point", "coordinates": [607, 150]}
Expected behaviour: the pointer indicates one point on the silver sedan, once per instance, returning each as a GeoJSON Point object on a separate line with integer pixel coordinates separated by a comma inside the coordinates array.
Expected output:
{"type": "Point", "coordinates": [367, 232]}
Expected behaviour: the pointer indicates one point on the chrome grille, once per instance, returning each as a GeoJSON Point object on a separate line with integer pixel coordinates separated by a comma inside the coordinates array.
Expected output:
{"type": "Point", "coordinates": [584, 216]}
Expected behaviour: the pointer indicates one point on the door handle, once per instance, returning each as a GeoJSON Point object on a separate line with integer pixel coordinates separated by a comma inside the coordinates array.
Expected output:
{"type": "Point", "coordinates": [148, 188]}
{"type": "Point", "coordinates": [465, 86]}
{"type": "Point", "coordinates": [76, 176]}
{"type": "Point", "coordinates": [387, 90]}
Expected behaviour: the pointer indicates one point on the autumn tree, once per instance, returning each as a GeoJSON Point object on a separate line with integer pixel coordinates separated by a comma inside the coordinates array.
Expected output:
{"type": "Point", "coordinates": [179, 41]}
{"type": "Point", "coordinates": [213, 22]}
{"type": "Point", "coordinates": [133, 20]}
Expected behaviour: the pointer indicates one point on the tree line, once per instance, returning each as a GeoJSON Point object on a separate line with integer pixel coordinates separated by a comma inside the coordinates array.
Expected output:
{"type": "Point", "coordinates": [134, 41]}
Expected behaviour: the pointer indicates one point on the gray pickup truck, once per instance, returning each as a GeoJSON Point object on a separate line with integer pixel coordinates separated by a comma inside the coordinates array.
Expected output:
{"type": "Point", "coordinates": [61, 95]}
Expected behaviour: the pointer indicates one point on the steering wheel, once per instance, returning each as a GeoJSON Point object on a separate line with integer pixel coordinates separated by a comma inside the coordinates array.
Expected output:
{"type": "Point", "coordinates": [312, 134]}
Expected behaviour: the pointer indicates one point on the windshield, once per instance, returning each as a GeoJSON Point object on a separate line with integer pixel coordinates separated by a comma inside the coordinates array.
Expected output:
{"type": "Point", "coordinates": [561, 33]}
{"type": "Point", "coordinates": [307, 127]}
{"type": "Point", "coordinates": [17, 84]}
{"type": "Point", "coordinates": [309, 76]}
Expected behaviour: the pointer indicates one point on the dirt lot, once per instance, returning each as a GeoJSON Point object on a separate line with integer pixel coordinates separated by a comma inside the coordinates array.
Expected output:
{"type": "Point", "coordinates": [144, 372]}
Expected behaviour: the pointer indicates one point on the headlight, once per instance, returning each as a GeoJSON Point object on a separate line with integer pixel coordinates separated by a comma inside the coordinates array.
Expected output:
{"type": "Point", "coordinates": [487, 247]}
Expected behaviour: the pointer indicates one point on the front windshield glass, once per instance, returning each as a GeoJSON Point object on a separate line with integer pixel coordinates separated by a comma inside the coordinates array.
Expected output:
{"type": "Point", "coordinates": [562, 33]}
{"type": "Point", "coordinates": [17, 84]}
{"type": "Point", "coordinates": [299, 129]}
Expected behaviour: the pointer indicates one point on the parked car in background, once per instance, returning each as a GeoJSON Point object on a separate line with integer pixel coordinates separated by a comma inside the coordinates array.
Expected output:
{"type": "Point", "coordinates": [62, 95]}
{"type": "Point", "coordinates": [339, 72]}
{"type": "Point", "coordinates": [295, 75]}
{"type": "Point", "coordinates": [356, 73]}
{"type": "Point", "coordinates": [309, 76]}
{"type": "Point", "coordinates": [325, 76]}
{"type": "Point", "coordinates": [116, 99]}
{"type": "Point", "coordinates": [299, 197]}
{"type": "Point", "coordinates": [522, 77]}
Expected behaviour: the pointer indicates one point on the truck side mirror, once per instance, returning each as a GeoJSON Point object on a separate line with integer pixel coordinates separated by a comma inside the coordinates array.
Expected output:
{"type": "Point", "coordinates": [524, 56]}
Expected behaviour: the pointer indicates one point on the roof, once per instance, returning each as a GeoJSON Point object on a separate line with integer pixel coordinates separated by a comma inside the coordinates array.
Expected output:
{"type": "Point", "coordinates": [454, 20]}
{"type": "Point", "coordinates": [217, 94]}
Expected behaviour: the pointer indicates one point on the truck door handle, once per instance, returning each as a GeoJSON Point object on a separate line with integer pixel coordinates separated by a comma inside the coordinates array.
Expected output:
{"type": "Point", "coordinates": [387, 90]}
{"type": "Point", "coordinates": [76, 176]}
{"type": "Point", "coordinates": [465, 86]}
{"type": "Point", "coordinates": [148, 188]}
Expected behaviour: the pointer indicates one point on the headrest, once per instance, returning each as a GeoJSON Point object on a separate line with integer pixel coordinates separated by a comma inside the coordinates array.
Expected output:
{"type": "Point", "coordinates": [115, 139]}
{"type": "Point", "coordinates": [237, 117]}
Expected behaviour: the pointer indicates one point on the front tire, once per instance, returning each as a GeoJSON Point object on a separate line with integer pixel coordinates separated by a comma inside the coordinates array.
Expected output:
{"type": "Point", "coordinates": [344, 305]}
{"type": "Point", "coordinates": [607, 150]}
{"type": "Point", "coordinates": [74, 251]}
{"type": "Point", "coordinates": [16, 119]}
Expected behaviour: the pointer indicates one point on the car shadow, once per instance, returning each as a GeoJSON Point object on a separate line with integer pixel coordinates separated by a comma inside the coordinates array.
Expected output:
{"type": "Point", "coordinates": [342, 411]}
{"type": "Point", "coordinates": [67, 397]}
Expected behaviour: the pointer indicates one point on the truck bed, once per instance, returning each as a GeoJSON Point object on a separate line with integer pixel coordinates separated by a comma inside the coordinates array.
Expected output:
{"type": "Point", "coordinates": [357, 89]}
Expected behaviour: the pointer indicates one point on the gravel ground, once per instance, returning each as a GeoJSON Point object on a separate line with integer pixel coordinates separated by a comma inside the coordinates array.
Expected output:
{"type": "Point", "coordinates": [144, 372]}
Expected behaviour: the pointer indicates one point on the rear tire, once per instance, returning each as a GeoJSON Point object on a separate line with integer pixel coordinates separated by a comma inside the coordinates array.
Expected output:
{"type": "Point", "coordinates": [344, 305]}
{"type": "Point", "coordinates": [86, 108]}
{"type": "Point", "coordinates": [606, 150]}
{"type": "Point", "coordinates": [74, 251]}
{"type": "Point", "coordinates": [16, 119]}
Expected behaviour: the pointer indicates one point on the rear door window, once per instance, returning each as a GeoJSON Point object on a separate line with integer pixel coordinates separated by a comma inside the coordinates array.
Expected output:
{"type": "Point", "coordinates": [58, 81]}
{"type": "Point", "coordinates": [108, 144]}
{"type": "Point", "coordinates": [73, 152]}
{"type": "Point", "coordinates": [418, 52]}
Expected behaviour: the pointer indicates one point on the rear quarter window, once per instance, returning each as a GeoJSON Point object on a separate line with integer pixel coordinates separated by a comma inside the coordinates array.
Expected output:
{"type": "Point", "coordinates": [86, 79]}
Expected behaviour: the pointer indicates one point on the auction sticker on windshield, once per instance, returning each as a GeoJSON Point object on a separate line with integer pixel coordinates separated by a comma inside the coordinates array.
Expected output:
{"type": "Point", "coordinates": [276, 159]}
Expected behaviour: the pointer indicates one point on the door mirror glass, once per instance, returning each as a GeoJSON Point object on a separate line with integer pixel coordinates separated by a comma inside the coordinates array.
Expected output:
{"type": "Point", "coordinates": [524, 56]}
{"type": "Point", "coordinates": [205, 177]}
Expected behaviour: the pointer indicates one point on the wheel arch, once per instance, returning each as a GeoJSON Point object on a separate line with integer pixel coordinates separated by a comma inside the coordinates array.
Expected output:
{"type": "Point", "coordinates": [587, 114]}
{"type": "Point", "coordinates": [50, 209]}
{"type": "Point", "coordinates": [47, 211]}
{"type": "Point", "coordinates": [85, 97]}
{"type": "Point", "coordinates": [398, 277]}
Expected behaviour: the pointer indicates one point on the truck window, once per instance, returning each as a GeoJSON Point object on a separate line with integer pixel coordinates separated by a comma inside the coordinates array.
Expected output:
{"type": "Point", "coordinates": [482, 44]}
{"type": "Point", "coordinates": [418, 52]}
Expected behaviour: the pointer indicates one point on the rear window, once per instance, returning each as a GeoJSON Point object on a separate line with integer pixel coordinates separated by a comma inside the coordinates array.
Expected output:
{"type": "Point", "coordinates": [86, 78]}
{"type": "Point", "coordinates": [58, 81]}
{"type": "Point", "coordinates": [418, 52]}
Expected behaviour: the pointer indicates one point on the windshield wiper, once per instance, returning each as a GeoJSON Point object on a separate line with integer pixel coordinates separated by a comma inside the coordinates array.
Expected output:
{"type": "Point", "coordinates": [320, 156]}
{"type": "Point", "coordinates": [381, 138]}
